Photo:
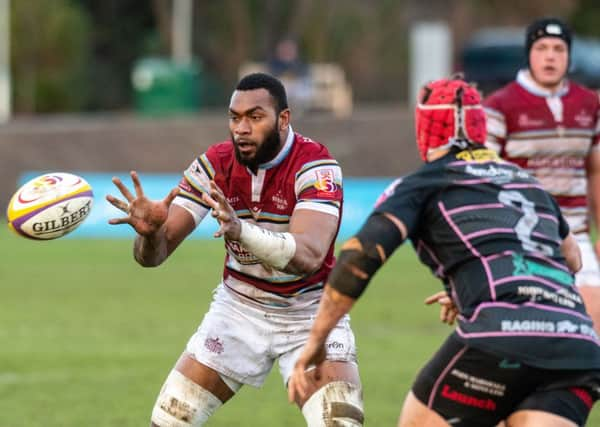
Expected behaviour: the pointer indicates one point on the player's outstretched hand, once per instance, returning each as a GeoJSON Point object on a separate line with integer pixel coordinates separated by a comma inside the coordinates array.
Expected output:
{"type": "Point", "coordinates": [229, 223]}
{"type": "Point", "coordinates": [448, 310]}
{"type": "Point", "coordinates": [301, 382]}
{"type": "Point", "coordinates": [144, 215]}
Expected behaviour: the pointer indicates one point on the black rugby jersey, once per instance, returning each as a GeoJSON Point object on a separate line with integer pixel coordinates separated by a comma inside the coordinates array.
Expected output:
{"type": "Point", "coordinates": [489, 231]}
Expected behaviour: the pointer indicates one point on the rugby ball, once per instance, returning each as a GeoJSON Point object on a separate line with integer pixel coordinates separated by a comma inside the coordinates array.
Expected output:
{"type": "Point", "coordinates": [50, 206]}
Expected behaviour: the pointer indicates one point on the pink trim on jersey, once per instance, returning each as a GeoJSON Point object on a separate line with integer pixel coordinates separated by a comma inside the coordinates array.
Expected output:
{"type": "Point", "coordinates": [557, 309]}
{"type": "Point", "coordinates": [523, 185]}
{"type": "Point", "coordinates": [489, 231]}
{"type": "Point", "coordinates": [473, 181]}
{"type": "Point", "coordinates": [551, 261]}
{"type": "Point", "coordinates": [474, 251]}
{"type": "Point", "coordinates": [506, 230]}
{"type": "Point", "coordinates": [439, 271]}
{"type": "Point", "coordinates": [541, 280]}
{"type": "Point", "coordinates": [523, 334]}
{"type": "Point", "coordinates": [466, 208]}
{"type": "Point", "coordinates": [436, 385]}
{"type": "Point", "coordinates": [488, 305]}
{"type": "Point", "coordinates": [500, 255]}
{"type": "Point", "coordinates": [549, 217]}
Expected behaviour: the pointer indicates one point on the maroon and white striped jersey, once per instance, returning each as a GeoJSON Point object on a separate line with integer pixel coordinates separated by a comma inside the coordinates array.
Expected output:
{"type": "Point", "coordinates": [302, 176]}
{"type": "Point", "coordinates": [550, 136]}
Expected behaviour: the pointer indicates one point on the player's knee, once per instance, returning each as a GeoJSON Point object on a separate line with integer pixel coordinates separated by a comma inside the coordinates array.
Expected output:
{"type": "Point", "coordinates": [183, 403]}
{"type": "Point", "coordinates": [337, 404]}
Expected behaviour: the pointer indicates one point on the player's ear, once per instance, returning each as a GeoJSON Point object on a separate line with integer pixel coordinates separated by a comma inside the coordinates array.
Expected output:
{"type": "Point", "coordinates": [284, 119]}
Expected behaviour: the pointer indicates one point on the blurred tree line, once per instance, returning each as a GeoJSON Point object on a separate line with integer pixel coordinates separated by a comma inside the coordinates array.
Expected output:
{"type": "Point", "coordinates": [77, 55]}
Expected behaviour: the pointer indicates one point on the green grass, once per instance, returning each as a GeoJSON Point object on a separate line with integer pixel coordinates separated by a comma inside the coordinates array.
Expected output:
{"type": "Point", "coordinates": [87, 337]}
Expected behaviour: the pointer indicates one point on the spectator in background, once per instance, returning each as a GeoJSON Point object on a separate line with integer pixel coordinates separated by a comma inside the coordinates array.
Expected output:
{"type": "Point", "coordinates": [293, 72]}
{"type": "Point", "coordinates": [550, 126]}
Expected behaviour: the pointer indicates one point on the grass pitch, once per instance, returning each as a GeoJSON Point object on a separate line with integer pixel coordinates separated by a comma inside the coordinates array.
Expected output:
{"type": "Point", "coordinates": [87, 337]}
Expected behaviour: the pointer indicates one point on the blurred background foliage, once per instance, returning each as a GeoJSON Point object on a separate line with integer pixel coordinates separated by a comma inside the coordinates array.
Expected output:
{"type": "Point", "coordinates": [77, 55]}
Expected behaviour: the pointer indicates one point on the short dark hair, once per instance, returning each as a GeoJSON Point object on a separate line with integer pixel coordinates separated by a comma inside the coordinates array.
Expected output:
{"type": "Point", "coordinates": [265, 81]}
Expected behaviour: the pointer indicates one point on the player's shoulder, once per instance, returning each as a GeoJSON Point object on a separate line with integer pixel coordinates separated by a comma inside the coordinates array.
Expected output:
{"type": "Point", "coordinates": [219, 154]}
{"type": "Point", "coordinates": [307, 149]}
{"type": "Point", "coordinates": [502, 96]}
{"type": "Point", "coordinates": [583, 93]}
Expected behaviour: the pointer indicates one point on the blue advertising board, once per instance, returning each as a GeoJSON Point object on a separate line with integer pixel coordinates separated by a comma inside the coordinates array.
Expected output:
{"type": "Point", "coordinates": [359, 196]}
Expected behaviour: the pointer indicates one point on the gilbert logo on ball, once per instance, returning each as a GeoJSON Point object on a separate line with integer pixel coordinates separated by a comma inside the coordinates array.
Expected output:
{"type": "Point", "coordinates": [50, 206]}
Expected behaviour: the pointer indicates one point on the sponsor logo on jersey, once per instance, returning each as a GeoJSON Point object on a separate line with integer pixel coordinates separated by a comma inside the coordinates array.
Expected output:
{"type": "Point", "coordinates": [527, 122]}
{"type": "Point", "coordinates": [325, 181]}
{"type": "Point", "coordinates": [236, 250]}
{"type": "Point", "coordinates": [583, 119]}
{"type": "Point", "coordinates": [280, 202]}
{"type": "Point", "coordinates": [525, 267]}
{"type": "Point", "coordinates": [478, 156]}
{"type": "Point", "coordinates": [560, 327]}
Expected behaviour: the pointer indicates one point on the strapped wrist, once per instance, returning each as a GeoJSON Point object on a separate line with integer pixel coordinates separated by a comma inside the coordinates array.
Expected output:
{"type": "Point", "coordinates": [273, 248]}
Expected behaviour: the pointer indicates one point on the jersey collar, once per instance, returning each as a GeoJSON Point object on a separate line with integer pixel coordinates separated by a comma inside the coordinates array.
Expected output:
{"type": "Point", "coordinates": [289, 142]}
{"type": "Point", "coordinates": [526, 81]}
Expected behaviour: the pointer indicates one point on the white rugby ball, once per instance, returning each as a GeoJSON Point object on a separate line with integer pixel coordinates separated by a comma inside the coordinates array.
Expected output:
{"type": "Point", "coordinates": [50, 206]}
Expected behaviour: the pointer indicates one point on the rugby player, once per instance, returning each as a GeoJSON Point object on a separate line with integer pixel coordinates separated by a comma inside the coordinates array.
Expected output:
{"type": "Point", "coordinates": [277, 196]}
{"type": "Point", "coordinates": [524, 349]}
{"type": "Point", "coordinates": [550, 126]}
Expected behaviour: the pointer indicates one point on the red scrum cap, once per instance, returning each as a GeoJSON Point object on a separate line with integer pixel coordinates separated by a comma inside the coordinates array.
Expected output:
{"type": "Point", "coordinates": [448, 112]}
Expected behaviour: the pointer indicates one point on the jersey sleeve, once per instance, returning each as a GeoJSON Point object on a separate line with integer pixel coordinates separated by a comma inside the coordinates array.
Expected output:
{"type": "Point", "coordinates": [495, 124]}
{"type": "Point", "coordinates": [404, 199]}
{"type": "Point", "coordinates": [318, 186]}
{"type": "Point", "coordinates": [195, 181]}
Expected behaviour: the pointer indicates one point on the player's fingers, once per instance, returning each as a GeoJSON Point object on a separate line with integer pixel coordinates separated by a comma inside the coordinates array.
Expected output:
{"type": "Point", "coordinates": [206, 198]}
{"type": "Point", "coordinates": [136, 184]}
{"type": "Point", "coordinates": [116, 221]}
{"type": "Point", "coordinates": [292, 388]}
{"type": "Point", "coordinates": [171, 196]}
{"type": "Point", "coordinates": [445, 300]}
{"type": "Point", "coordinates": [435, 297]}
{"type": "Point", "coordinates": [124, 191]}
{"type": "Point", "coordinates": [216, 192]}
{"type": "Point", "coordinates": [118, 203]}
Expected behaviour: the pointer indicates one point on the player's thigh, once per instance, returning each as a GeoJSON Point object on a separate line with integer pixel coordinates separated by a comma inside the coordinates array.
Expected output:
{"type": "Point", "coordinates": [471, 388]}
{"type": "Point", "coordinates": [206, 377]}
{"type": "Point", "coordinates": [538, 418]}
{"type": "Point", "coordinates": [566, 399]}
{"type": "Point", "coordinates": [416, 414]}
{"type": "Point", "coordinates": [332, 371]}
{"type": "Point", "coordinates": [339, 347]}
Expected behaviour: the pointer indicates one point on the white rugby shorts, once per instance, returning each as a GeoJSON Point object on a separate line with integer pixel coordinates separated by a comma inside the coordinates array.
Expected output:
{"type": "Point", "coordinates": [589, 275]}
{"type": "Point", "coordinates": [242, 342]}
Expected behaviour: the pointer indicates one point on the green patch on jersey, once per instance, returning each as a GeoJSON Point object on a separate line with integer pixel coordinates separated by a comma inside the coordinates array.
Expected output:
{"type": "Point", "coordinates": [530, 268]}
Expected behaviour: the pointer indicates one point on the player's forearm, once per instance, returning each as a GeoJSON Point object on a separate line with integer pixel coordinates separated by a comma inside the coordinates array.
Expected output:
{"type": "Point", "coordinates": [152, 250]}
{"type": "Point", "coordinates": [334, 305]}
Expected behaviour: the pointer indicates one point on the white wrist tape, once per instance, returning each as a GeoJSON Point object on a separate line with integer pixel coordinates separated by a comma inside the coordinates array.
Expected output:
{"type": "Point", "coordinates": [275, 249]}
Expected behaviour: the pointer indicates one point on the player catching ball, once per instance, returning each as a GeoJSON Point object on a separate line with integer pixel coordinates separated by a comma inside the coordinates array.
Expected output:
{"type": "Point", "coordinates": [277, 196]}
